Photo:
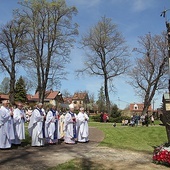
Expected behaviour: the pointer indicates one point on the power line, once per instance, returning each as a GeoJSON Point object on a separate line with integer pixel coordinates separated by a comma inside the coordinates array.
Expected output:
{"type": "Point", "coordinates": [121, 101]}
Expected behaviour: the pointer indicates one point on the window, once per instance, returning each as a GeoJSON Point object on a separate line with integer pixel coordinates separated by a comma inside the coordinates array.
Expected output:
{"type": "Point", "coordinates": [135, 107]}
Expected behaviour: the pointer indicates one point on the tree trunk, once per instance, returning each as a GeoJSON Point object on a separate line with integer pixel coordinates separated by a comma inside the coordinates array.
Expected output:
{"type": "Point", "coordinates": [12, 86]}
{"type": "Point", "coordinates": [107, 95]}
{"type": "Point", "coordinates": [145, 109]}
{"type": "Point", "coordinates": [12, 82]}
{"type": "Point", "coordinates": [148, 99]}
{"type": "Point", "coordinates": [168, 132]}
{"type": "Point", "coordinates": [42, 92]}
{"type": "Point", "coordinates": [42, 96]}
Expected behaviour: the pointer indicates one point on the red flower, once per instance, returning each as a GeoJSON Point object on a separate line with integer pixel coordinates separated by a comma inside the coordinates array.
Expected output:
{"type": "Point", "coordinates": [161, 155]}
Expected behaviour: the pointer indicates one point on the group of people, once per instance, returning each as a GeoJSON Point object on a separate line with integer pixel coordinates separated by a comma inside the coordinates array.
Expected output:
{"type": "Point", "coordinates": [144, 119]}
{"type": "Point", "coordinates": [12, 129]}
{"type": "Point", "coordinates": [43, 127]}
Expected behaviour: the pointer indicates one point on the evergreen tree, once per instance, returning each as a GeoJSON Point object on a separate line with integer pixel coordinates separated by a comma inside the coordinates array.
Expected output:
{"type": "Point", "coordinates": [115, 112]}
{"type": "Point", "coordinates": [101, 102]}
{"type": "Point", "coordinates": [4, 86]}
{"type": "Point", "coordinates": [20, 90]}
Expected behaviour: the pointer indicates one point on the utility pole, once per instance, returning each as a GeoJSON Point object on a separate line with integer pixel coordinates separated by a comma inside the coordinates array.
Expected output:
{"type": "Point", "coordinates": [168, 35]}
{"type": "Point", "coordinates": [164, 14]}
{"type": "Point", "coordinates": [166, 97]}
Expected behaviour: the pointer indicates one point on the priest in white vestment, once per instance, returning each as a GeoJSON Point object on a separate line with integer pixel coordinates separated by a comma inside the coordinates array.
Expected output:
{"type": "Point", "coordinates": [51, 125]}
{"type": "Point", "coordinates": [6, 126]}
{"type": "Point", "coordinates": [70, 136]}
{"type": "Point", "coordinates": [19, 119]}
{"type": "Point", "coordinates": [82, 126]}
{"type": "Point", "coordinates": [35, 127]}
{"type": "Point", "coordinates": [61, 125]}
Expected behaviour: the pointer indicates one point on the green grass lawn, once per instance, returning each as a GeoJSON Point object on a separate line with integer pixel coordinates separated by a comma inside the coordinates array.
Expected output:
{"type": "Point", "coordinates": [126, 137]}
{"type": "Point", "coordinates": [132, 138]}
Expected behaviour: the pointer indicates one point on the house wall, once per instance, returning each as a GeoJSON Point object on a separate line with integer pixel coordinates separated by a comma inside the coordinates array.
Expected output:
{"type": "Point", "coordinates": [78, 104]}
{"type": "Point", "coordinates": [138, 107]}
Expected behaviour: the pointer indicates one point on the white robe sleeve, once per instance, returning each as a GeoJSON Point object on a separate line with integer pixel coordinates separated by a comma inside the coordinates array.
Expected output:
{"type": "Point", "coordinates": [4, 117]}
{"type": "Point", "coordinates": [17, 116]}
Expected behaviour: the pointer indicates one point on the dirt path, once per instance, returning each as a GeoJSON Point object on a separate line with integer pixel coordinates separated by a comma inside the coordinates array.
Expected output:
{"type": "Point", "coordinates": [35, 158]}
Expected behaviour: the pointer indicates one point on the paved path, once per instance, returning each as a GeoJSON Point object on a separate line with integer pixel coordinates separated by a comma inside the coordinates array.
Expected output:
{"type": "Point", "coordinates": [26, 158]}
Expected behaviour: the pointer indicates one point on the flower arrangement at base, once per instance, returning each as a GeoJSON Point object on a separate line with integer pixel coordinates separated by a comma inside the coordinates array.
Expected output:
{"type": "Point", "coordinates": [161, 155]}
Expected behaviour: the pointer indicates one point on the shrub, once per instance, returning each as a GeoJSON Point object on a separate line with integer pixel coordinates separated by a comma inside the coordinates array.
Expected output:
{"type": "Point", "coordinates": [118, 119]}
{"type": "Point", "coordinates": [96, 118]}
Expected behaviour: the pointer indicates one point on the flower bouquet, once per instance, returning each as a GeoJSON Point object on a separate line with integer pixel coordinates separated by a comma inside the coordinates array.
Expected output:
{"type": "Point", "coordinates": [161, 155]}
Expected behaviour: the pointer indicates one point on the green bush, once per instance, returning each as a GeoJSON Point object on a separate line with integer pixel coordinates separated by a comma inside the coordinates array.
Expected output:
{"type": "Point", "coordinates": [115, 112]}
{"type": "Point", "coordinates": [96, 118]}
{"type": "Point", "coordinates": [125, 118]}
{"type": "Point", "coordinates": [119, 119]}
{"type": "Point", "coordinates": [115, 119]}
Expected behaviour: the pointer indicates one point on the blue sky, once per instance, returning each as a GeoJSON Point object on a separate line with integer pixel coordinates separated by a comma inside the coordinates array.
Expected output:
{"type": "Point", "coordinates": [134, 18]}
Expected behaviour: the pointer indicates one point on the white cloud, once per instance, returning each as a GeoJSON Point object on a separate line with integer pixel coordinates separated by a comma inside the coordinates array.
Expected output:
{"type": "Point", "coordinates": [141, 5]}
{"type": "Point", "coordinates": [135, 5]}
{"type": "Point", "coordinates": [86, 2]}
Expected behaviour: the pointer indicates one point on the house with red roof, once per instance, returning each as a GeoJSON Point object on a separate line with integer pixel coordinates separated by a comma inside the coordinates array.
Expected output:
{"type": "Point", "coordinates": [4, 97]}
{"type": "Point", "coordinates": [80, 99]}
{"type": "Point", "coordinates": [50, 97]}
{"type": "Point", "coordinates": [138, 108]}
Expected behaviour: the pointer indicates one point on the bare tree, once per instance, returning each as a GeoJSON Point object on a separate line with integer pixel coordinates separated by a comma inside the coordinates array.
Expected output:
{"type": "Point", "coordinates": [50, 36]}
{"type": "Point", "coordinates": [28, 84]}
{"type": "Point", "coordinates": [149, 72]}
{"type": "Point", "coordinates": [106, 55]}
{"type": "Point", "coordinates": [11, 40]}
{"type": "Point", "coordinates": [66, 93]}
